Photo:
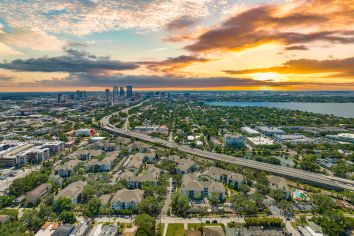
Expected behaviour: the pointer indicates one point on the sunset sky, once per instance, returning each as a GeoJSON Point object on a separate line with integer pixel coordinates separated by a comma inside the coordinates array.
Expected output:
{"type": "Point", "coordinates": [66, 45]}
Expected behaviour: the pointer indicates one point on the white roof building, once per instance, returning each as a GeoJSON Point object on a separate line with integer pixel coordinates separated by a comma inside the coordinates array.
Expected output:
{"type": "Point", "coordinates": [261, 140]}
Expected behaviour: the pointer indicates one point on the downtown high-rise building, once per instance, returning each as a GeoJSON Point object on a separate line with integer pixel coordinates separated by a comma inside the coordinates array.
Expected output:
{"type": "Point", "coordinates": [107, 95]}
{"type": "Point", "coordinates": [129, 91]}
{"type": "Point", "coordinates": [121, 91]}
{"type": "Point", "coordinates": [115, 92]}
{"type": "Point", "coordinates": [60, 98]}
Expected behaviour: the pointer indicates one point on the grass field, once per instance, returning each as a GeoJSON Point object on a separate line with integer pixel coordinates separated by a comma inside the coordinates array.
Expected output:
{"type": "Point", "coordinates": [175, 230]}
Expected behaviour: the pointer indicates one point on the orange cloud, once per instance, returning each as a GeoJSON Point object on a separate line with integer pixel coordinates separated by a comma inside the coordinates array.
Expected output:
{"type": "Point", "coordinates": [286, 24]}
{"type": "Point", "coordinates": [338, 67]}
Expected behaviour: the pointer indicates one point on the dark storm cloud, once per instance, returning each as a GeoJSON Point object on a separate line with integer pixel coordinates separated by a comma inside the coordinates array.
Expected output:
{"type": "Point", "coordinates": [4, 78]}
{"type": "Point", "coordinates": [73, 61]}
{"type": "Point", "coordinates": [181, 23]}
{"type": "Point", "coordinates": [297, 47]}
{"type": "Point", "coordinates": [91, 80]}
{"type": "Point", "coordinates": [171, 64]}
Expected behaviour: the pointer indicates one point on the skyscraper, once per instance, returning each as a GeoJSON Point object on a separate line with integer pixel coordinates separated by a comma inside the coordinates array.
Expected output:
{"type": "Point", "coordinates": [78, 95]}
{"type": "Point", "coordinates": [115, 92]}
{"type": "Point", "coordinates": [60, 98]}
{"type": "Point", "coordinates": [129, 91]}
{"type": "Point", "coordinates": [121, 91]}
{"type": "Point", "coordinates": [107, 95]}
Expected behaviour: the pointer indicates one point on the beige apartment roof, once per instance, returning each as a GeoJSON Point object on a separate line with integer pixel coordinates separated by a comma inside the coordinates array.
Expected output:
{"type": "Point", "coordinates": [127, 195]}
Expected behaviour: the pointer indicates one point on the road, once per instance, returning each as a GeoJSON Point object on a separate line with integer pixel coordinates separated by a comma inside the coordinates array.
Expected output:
{"type": "Point", "coordinates": [304, 176]}
{"type": "Point", "coordinates": [167, 202]}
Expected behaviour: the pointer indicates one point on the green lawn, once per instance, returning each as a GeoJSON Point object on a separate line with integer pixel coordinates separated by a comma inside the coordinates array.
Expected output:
{"type": "Point", "coordinates": [175, 230]}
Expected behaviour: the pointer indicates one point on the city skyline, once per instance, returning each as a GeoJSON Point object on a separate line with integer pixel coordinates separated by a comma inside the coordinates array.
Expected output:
{"type": "Point", "coordinates": [176, 45]}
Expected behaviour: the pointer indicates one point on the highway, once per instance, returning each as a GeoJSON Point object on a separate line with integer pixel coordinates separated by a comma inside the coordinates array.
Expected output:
{"type": "Point", "coordinates": [304, 176]}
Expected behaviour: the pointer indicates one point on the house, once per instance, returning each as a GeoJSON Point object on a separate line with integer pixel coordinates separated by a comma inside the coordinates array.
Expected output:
{"type": "Point", "coordinates": [85, 154]}
{"type": "Point", "coordinates": [34, 195]}
{"type": "Point", "coordinates": [107, 147]}
{"type": "Point", "coordinates": [139, 180]}
{"type": "Point", "coordinates": [194, 189]}
{"type": "Point", "coordinates": [73, 191]}
{"type": "Point", "coordinates": [213, 231]}
{"type": "Point", "coordinates": [126, 199]}
{"type": "Point", "coordinates": [109, 230]}
{"type": "Point", "coordinates": [104, 230]}
{"type": "Point", "coordinates": [138, 146]}
{"type": "Point", "coordinates": [150, 157]}
{"type": "Point", "coordinates": [64, 230]}
{"type": "Point", "coordinates": [230, 178]}
{"type": "Point", "coordinates": [135, 163]}
{"type": "Point", "coordinates": [184, 165]}
{"type": "Point", "coordinates": [57, 180]}
{"type": "Point", "coordinates": [123, 140]}
{"type": "Point", "coordinates": [105, 199]}
{"type": "Point", "coordinates": [47, 229]}
{"type": "Point", "coordinates": [68, 168]}
{"type": "Point", "coordinates": [106, 164]}
{"type": "Point", "coordinates": [81, 229]}
{"type": "Point", "coordinates": [280, 183]}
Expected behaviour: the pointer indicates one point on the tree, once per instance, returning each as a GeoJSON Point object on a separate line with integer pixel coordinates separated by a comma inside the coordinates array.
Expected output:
{"type": "Point", "coordinates": [148, 188]}
{"type": "Point", "coordinates": [286, 207]}
{"type": "Point", "coordinates": [149, 205]}
{"type": "Point", "coordinates": [146, 225]}
{"type": "Point", "coordinates": [244, 188]}
{"type": "Point", "coordinates": [302, 220]}
{"type": "Point", "coordinates": [63, 204]}
{"type": "Point", "coordinates": [340, 169]}
{"type": "Point", "coordinates": [6, 201]}
{"type": "Point", "coordinates": [88, 192]}
{"type": "Point", "coordinates": [92, 208]}
{"type": "Point", "coordinates": [309, 165]}
{"type": "Point", "coordinates": [25, 184]}
{"type": "Point", "coordinates": [179, 204]}
{"type": "Point", "coordinates": [322, 203]}
{"type": "Point", "coordinates": [242, 204]}
{"type": "Point", "coordinates": [258, 198]}
{"type": "Point", "coordinates": [13, 228]}
{"type": "Point", "coordinates": [67, 217]}
{"type": "Point", "coordinates": [332, 223]}
{"type": "Point", "coordinates": [277, 194]}
{"type": "Point", "coordinates": [123, 152]}
{"type": "Point", "coordinates": [32, 219]}
{"type": "Point", "coordinates": [263, 221]}
{"type": "Point", "coordinates": [13, 213]}
{"type": "Point", "coordinates": [46, 212]}
{"type": "Point", "coordinates": [214, 198]}
{"type": "Point", "coordinates": [262, 188]}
